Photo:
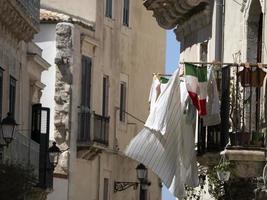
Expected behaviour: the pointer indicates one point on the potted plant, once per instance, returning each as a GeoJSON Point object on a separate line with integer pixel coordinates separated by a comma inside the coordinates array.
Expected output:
{"type": "Point", "coordinates": [257, 138]}
{"type": "Point", "coordinates": [223, 170]}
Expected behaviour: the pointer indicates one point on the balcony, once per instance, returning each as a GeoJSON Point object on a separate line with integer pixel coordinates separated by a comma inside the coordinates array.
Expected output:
{"type": "Point", "coordinates": [171, 13]}
{"type": "Point", "coordinates": [24, 151]}
{"type": "Point", "coordinates": [93, 134]}
{"type": "Point", "coordinates": [20, 17]}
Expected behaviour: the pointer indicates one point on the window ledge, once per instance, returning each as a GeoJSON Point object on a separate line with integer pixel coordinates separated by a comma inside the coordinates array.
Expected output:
{"type": "Point", "coordinates": [109, 22]}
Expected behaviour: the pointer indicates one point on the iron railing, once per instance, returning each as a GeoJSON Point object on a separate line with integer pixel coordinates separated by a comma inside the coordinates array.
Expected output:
{"type": "Point", "coordinates": [243, 111]}
{"type": "Point", "coordinates": [93, 128]}
{"type": "Point", "coordinates": [23, 151]}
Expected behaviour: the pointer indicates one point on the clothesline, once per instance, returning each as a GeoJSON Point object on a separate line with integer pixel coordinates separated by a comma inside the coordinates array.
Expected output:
{"type": "Point", "coordinates": [230, 64]}
{"type": "Point", "coordinates": [248, 65]}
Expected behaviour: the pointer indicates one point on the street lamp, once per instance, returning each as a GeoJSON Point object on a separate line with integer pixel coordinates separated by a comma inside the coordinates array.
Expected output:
{"type": "Point", "coordinates": [8, 128]}
{"type": "Point", "coordinates": [54, 153]}
{"type": "Point", "coordinates": [144, 183]}
{"type": "Point", "coordinates": [141, 171]}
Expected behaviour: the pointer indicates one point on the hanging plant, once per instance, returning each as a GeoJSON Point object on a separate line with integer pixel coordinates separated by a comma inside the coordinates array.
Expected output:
{"type": "Point", "coordinates": [223, 170]}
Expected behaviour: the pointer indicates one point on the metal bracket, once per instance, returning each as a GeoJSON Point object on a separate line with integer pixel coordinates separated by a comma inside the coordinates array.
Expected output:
{"type": "Point", "coordinates": [120, 186]}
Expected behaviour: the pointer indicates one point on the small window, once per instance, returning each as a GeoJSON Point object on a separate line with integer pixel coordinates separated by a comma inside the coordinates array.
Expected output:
{"type": "Point", "coordinates": [126, 6]}
{"type": "Point", "coordinates": [105, 96]}
{"type": "Point", "coordinates": [204, 52]}
{"type": "Point", "coordinates": [109, 8]}
{"type": "Point", "coordinates": [12, 95]}
{"type": "Point", "coordinates": [122, 101]}
{"type": "Point", "coordinates": [105, 192]}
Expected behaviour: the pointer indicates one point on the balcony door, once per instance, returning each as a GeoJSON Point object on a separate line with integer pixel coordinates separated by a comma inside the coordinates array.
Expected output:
{"type": "Point", "coordinates": [85, 117]}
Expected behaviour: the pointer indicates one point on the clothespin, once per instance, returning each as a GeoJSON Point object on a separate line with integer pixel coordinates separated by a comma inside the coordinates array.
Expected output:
{"type": "Point", "coordinates": [260, 65]}
{"type": "Point", "coordinates": [247, 65]}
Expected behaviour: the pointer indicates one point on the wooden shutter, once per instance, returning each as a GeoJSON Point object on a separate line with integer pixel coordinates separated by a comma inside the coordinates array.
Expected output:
{"type": "Point", "coordinates": [84, 132]}
{"type": "Point", "coordinates": [40, 134]}
{"type": "Point", "coordinates": [105, 96]}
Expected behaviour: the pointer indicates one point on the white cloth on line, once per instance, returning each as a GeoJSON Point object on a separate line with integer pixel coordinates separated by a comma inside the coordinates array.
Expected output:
{"type": "Point", "coordinates": [153, 92]}
{"type": "Point", "coordinates": [213, 116]}
{"type": "Point", "coordinates": [166, 144]}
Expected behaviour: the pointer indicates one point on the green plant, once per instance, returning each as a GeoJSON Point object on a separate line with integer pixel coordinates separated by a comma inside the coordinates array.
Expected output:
{"type": "Point", "coordinates": [223, 166]}
{"type": "Point", "coordinates": [16, 181]}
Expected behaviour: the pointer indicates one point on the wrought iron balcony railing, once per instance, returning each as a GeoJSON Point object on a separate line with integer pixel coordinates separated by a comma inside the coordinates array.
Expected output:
{"type": "Point", "coordinates": [23, 151]}
{"type": "Point", "coordinates": [93, 128]}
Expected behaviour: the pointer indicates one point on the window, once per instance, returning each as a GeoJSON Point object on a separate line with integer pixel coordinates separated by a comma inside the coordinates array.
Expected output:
{"type": "Point", "coordinates": [105, 192]}
{"type": "Point", "coordinates": [122, 101]}
{"type": "Point", "coordinates": [84, 132]}
{"type": "Point", "coordinates": [105, 96]}
{"type": "Point", "coordinates": [126, 6]}
{"type": "Point", "coordinates": [12, 95]}
{"type": "Point", "coordinates": [1, 92]}
{"type": "Point", "coordinates": [109, 8]}
{"type": "Point", "coordinates": [204, 52]}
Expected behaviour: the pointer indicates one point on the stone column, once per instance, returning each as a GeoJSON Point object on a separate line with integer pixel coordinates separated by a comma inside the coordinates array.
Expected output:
{"type": "Point", "coordinates": [64, 62]}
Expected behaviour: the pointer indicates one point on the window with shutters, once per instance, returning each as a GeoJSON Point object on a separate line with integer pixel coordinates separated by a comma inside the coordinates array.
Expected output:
{"type": "Point", "coordinates": [126, 8]}
{"type": "Point", "coordinates": [84, 130]}
{"type": "Point", "coordinates": [122, 101]}
{"type": "Point", "coordinates": [105, 189]}
{"type": "Point", "coordinates": [12, 95]}
{"type": "Point", "coordinates": [108, 8]}
{"type": "Point", "coordinates": [105, 97]}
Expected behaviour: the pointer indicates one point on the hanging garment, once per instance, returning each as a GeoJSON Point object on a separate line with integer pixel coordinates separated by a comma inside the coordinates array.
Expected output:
{"type": "Point", "coordinates": [213, 116]}
{"type": "Point", "coordinates": [196, 84]}
{"type": "Point", "coordinates": [153, 92]}
{"type": "Point", "coordinates": [252, 78]}
{"type": "Point", "coordinates": [166, 144]}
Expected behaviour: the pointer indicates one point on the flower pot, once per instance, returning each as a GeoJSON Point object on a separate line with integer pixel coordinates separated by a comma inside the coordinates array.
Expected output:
{"type": "Point", "coordinates": [244, 138]}
{"type": "Point", "coordinates": [233, 138]}
{"type": "Point", "coordinates": [223, 175]}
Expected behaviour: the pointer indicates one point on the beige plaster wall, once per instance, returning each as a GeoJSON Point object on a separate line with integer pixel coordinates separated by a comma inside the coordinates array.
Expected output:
{"type": "Point", "coordinates": [129, 54]}
{"type": "Point", "coordinates": [85, 9]}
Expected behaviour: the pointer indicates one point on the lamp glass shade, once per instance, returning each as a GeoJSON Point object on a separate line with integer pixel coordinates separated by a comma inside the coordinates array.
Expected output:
{"type": "Point", "coordinates": [54, 153]}
{"type": "Point", "coordinates": [53, 158]}
{"type": "Point", "coordinates": [141, 172]}
{"type": "Point", "coordinates": [8, 127]}
{"type": "Point", "coordinates": [8, 132]}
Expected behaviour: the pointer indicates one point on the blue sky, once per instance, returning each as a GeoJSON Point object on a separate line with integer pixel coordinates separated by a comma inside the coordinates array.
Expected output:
{"type": "Point", "coordinates": [172, 60]}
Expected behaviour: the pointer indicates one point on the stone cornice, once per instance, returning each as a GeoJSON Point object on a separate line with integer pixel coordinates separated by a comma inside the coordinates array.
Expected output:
{"type": "Point", "coordinates": [13, 17]}
{"type": "Point", "coordinates": [170, 13]}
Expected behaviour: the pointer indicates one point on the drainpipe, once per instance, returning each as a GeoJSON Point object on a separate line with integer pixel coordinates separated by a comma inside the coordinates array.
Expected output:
{"type": "Point", "coordinates": [225, 106]}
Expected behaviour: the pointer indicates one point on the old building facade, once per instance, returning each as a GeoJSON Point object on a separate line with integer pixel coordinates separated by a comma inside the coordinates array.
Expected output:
{"type": "Point", "coordinates": [103, 54]}
{"type": "Point", "coordinates": [21, 66]}
{"type": "Point", "coordinates": [228, 32]}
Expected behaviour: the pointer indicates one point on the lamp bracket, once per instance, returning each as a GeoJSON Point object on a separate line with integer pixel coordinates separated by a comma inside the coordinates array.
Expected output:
{"type": "Point", "coordinates": [120, 186]}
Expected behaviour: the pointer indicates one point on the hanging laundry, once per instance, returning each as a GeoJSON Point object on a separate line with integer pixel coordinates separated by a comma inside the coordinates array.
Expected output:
{"type": "Point", "coordinates": [213, 116]}
{"type": "Point", "coordinates": [166, 143]}
{"type": "Point", "coordinates": [196, 84]}
{"type": "Point", "coordinates": [153, 91]}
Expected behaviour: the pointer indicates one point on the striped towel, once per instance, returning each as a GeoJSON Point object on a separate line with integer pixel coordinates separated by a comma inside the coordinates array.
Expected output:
{"type": "Point", "coordinates": [164, 145]}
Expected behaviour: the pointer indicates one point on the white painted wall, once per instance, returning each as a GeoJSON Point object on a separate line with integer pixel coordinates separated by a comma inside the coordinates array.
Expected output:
{"type": "Point", "coordinates": [60, 184]}
{"type": "Point", "coordinates": [45, 39]}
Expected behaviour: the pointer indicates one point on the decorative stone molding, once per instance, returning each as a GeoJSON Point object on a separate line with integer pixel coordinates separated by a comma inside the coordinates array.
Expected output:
{"type": "Point", "coordinates": [17, 21]}
{"type": "Point", "coordinates": [63, 60]}
{"type": "Point", "coordinates": [170, 13]}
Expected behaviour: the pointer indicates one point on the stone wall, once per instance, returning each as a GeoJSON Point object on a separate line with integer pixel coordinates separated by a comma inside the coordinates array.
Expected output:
{"type": "Point", "coordinates": [63, 60]}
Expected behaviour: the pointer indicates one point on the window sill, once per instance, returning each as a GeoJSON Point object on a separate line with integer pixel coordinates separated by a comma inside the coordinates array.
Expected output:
{"type": "Point", "coordinates": [109, 22]}
{"type": "Point", "coordinates": [126, 30]}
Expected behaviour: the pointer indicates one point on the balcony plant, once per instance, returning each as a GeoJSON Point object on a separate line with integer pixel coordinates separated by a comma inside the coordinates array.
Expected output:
{"type": "Point", "coordinates": [223, 170]}
{"type": "Point", "coordinates": [257, 138]}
